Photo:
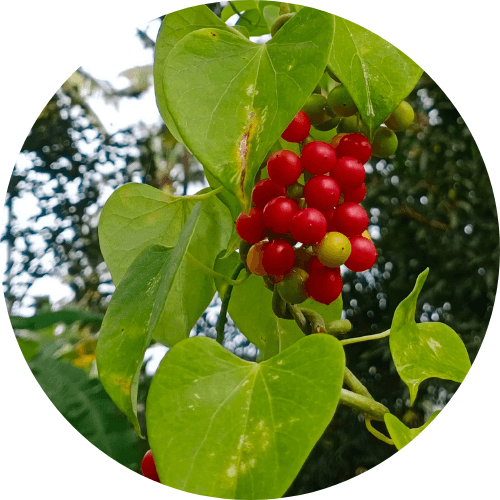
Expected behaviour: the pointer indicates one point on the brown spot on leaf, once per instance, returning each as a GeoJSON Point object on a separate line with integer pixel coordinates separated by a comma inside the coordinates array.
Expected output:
{"type": "Point", "coordinates": [243, 148]}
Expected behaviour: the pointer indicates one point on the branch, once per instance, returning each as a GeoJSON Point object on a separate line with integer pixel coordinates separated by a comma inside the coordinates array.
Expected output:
{"type": "Point", "coordinates": [363, 404]}
{"type": "Point", "coordinates": [423, 219]}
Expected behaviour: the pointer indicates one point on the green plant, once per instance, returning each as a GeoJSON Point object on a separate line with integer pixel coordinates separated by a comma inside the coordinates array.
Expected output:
{"type": "Point", "coordinates": [218, 425]}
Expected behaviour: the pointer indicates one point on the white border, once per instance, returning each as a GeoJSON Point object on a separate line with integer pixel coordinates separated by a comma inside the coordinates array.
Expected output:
{"type": "Point", "coordinates": [44, 42]}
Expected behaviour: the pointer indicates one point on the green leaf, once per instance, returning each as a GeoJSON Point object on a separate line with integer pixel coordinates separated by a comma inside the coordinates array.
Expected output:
{"type": "Point", "coordinates": [87, 407]}
{"type": "Point", "coordinates": [175, 27]}
{"type": "Point", "coordinates": [137, 216]}
{"type": "Point", "coordinates": [402, 435]}
{"type": "Point", "coordinates": [231, 99]}
{"type": "Point", "coordinates": [270, 13]}
{"type": "Point", "coordinates": [223, 427]}
{"type": "Point", "coordinates": [425, 350]}
{"type": "Point", "coordinates": [251, 310]}
{"type": "Point", "coordinates": [133, 315]}
{"type": "Point", "coordinates": [377, 75]}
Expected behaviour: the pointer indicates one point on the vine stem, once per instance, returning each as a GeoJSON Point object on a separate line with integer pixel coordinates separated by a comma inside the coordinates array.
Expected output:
{"type": "Point", "coordinates": [363, 404]}
{"type": "Point", "coordinates": [355, 384]}
{"type": "Point", "coordinates": [365, 338]}
{"type": "Point", "coordinates": [376, 433]}
{"type": "Point", "coordinates": [215, 274]}
{"type": "Point", "coordinates": [221, 322]}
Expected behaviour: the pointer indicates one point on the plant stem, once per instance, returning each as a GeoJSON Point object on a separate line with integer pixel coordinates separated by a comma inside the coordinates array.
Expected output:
{"type": "Point", "coordinates": [315, 320]}
{"type": "Point", "coordinates": [367, 337]}
{"type": "Point", "coordinates": [355, 384]}
{"type": "Point", "coordinates": [279, 306]}
{"type": "Point", "coordinates": [299, 318]}
{"type": "Point", "coordinates": [215, 274]}
{"type": "Point", "coordinates": [338, 327]}
{"type": "Point", "coordinates": [209, 194]}
{"type": "Point", "coordinates": [363, 404]}
{"type": "Point", "coordinates": [225, 303]}
{"type": "Point", "coordinates": [376, 433]}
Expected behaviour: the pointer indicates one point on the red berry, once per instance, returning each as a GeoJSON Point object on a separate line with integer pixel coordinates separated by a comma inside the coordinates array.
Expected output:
{"type": "Point", "coordinates": [314, 265]}
{"type": "Point", "coordinates": [356, 196]}
{"type": "Point", "coordinates": [278, 214]}
{"type": "Point", "coordinates": [322, 192]}
{"type": "Point", "coordinates": [329, 216]}
{"type": "Point", "coordinates": [349, 173]}
{"type": "Point", "coordinates": [350, 219]}
{"type": "Point", "coordinates": [324, 285]}
{"type": "Point", "coordinates": [278, 257]}
{"type": "Point", "coordinates": [298, 129]}
{"type": "Point", "coordinates": [308, 226]}
{"type": "Point", "coordinates": [265, 190]}
{"type": "Point", "coordinates": [356, 146]}
{"type": "Point", "coordinates": [148, 467]}
{"type": "Point", "coordinates": [250, 227]}
{"type": "Point", "coordinates": [318, 157]}
{"type": "Point", "coordinates": [284, 167]}
{"type": "Point", "coordinates": [363, 254]}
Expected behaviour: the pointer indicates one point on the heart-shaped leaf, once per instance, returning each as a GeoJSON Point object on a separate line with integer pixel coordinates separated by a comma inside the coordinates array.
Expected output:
{"type": "Point", "coordinates": [251, 310]}
{"type": "Point", "coordinates": [175, 27]}
{"type": "Point", "coordinates": [231, 99]}
{"type": "Point", "coordinates": [377, 75]}
{"type": "Point", "coordinates": [425, 350]}
{"type": "Point", "coordinates": [402, 435]}
{"type": "Point", "coordinates": [223, 427]}
{"type": "Point", "coordinates": [137, 216]}
{"type": "Point", "coordinates": [132, 316]}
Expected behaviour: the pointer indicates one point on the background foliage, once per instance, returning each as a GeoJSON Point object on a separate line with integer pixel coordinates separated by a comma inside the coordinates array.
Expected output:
{"type": "Point", "coordinates": [431, 205]}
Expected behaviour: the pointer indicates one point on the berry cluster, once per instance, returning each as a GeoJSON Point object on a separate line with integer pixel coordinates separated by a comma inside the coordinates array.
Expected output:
{"type": "Point", "coordinates": [302, 233]}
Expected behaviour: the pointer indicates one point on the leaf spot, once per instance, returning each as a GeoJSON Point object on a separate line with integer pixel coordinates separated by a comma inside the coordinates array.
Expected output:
{"type": "Point", "coordinates": [231, 471]}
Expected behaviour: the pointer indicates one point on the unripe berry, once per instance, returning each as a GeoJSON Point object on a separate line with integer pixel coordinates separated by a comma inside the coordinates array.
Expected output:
{"type": "Point", "coordinates": [363, 254]}
{"type": "Point", "coordinates": [293, 287]}
{"type": "Point", "coordinates": [357, 195]}
{"type": "Point", "coordinates": [298, 129]}
{"type": "Point", "coordinates": [334, 249]}
{"type": "Point", "coordinates": [385, 143]}
{"type": "Point", "coordinates": [265, 190]}
{"type": "Point", "coordinates": [148, 467]}
{"type": "Point", "coordinates": [354, 145]}
{"type": "Point", "coordinates": [349, 173]}
{"type": "Point", "coordinates": [278, 258]}
{"type": "Point", "coordinates": [318, 157]}
{"type": "Point", "coordinates": [278, 214]}
{"type": "Point", "coordinates": [308, 226]}
{"type": "Point", "coordinates": [250, 227]}
{"type": "Point", "coordinates": [340, 101]}
{"type": "Point", "coordinates": [295, 191]}
{"type": "Point", "coordinates": [284, 18]}
{"type": "Point", "coordinates": [324, 285]}
{"type": "Point", "coordinates": [350, 219]}
{"type": "Point", "coordinates": [254, 258]}
{"type": "Point", "coordinates": [401, 118]}
{"type": "Point", "coordinates": [284, 167]}
{"type": "Point", "coordinates": [353, 124]}
{"type": "Point", "coordinates": [322, 192]}
{"type": "Point", "coordinates": [316, 108]}
{"type": "Point", "coordinates": [328, 125]}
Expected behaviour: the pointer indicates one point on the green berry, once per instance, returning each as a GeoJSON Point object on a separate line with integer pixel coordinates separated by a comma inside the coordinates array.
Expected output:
{"type": "Point", "coordinates": [293, 287]}
{"type": "Point", "coordinates": [284, 18]}
{"type": "Point", "coordinates": [385, 143]}
{"type": "Point", "coordinates": [329, 125]}
{"type": "Point", "coordinates": [352, 125]}
{"type": "Point", "coordinates": [341, 102]}
{"type": "Point", "coordinates": [295, 191]}
{"type": "Point", "coordinates": [401, 118]}
{"type": "Point", "coordinates": [316, 108]}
